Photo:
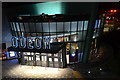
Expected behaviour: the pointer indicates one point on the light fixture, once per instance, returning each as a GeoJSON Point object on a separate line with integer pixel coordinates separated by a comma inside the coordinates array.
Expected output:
{"type": "Point", "coordinates": [100, 69]}
{"type": "Point", "coordinates": [89, 72]}
{"type": "Point", "coordinates": [33, 40]}
{"type": "Point", "coordinates": [115, 10]}
{"type": "Point", "coordinates": [76, 47]}
{"type": "Point", "coordinates": [93, 37]}
{"type": "Point", "coordinates": [111, 10]}
{"type": "Point", "coordinates": [12, 53]}
{"type": "Point", "coordinates": [73, 54]}
{"type": "Point", "coordinates": [20, 18]}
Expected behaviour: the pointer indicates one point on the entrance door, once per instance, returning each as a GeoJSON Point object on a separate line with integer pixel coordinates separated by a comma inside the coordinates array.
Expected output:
{"type": "Point", "coordinates": [72, 51]}
{"type": "Point", "coordinates": [43, 59]}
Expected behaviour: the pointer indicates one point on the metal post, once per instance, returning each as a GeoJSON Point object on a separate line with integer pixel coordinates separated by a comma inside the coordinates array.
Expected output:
{"type": "Point", "coordinates": [59, 61]}
{"type": "Point", "coordinates": [64, 56]}
{"type": "Point", "coordinates": [47, 60]}
{"type": "Point", "coordinates": [23, 60]}
{"type": "Point", "coordinates": [53, 60]}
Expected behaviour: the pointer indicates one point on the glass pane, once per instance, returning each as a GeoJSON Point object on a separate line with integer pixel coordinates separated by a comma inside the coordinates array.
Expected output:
{"type": "Point", "coordinates": [14, 27]}
{"type": "Point", "coordinates": [85, 25]}
{"type": "Point", "coordinates": [21, 26]}
{"type": "Point", "coordinates": [67, 26]}
{"type": "Point", "coordinates": [38, 27]}
{"type": "Point", "coordinates": [52, 27]}
{"type": "Point", "coordinates": [74, 26]}
{"type": "Point", "coordinates": [27, 27]}
{"type": "Point", "coordinates": [45, 27]}
{"type": "Point", "coordinates": [59, 26]}
{"type": "Point", "coordinates": [32, 27]}
{"type": "Point", "coordinates": [73, 38]}
{"type": "Point", "coordinates": [11, 26]}
{"type": "Point", "coordinates": [80, 25]}
{"type": "Point", "coordinates": [17, 26]}
{"type": "Point", "coordinates": [99, 23]}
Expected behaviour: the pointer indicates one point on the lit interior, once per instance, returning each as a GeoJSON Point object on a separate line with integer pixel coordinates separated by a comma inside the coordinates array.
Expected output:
{"type": "Point", "coordinates": [12, 53]}
{"type": "Point", "coordinates": [49, 8]}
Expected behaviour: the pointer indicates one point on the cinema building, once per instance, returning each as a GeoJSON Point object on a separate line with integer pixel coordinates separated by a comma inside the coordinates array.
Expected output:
{"type": "Point", "coordinates": [63, 38]}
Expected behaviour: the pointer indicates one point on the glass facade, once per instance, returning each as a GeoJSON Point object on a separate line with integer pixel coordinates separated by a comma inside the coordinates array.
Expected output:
{"type": "Point", "coordinates": [71, 32]}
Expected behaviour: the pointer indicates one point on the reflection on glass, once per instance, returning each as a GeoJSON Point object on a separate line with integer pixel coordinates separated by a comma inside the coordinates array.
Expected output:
{"type": "Point", "coordinates": [57, 31]}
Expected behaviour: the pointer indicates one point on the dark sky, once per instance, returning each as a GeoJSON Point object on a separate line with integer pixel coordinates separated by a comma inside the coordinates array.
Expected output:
{"type": "Point", "coordinates": [109, 5]}
{"type": "Point", "coordinates": [102, 5]}
{"type": "Point", "coordinates": [15, 4]}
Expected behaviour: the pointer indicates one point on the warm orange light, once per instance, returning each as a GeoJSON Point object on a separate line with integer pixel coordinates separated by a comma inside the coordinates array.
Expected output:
{"type": "Point", "coordinates": [115, 10]}
{"type": "Point", "coordinates": [111, 10]}
{"type": "Point", "coordinates": [106, 21]}
{"type": "Point", "coordinates": [109, 21]}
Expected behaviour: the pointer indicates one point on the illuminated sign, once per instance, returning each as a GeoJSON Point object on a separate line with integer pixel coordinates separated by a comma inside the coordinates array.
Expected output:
{"type": "Point", "coordinates": [12, 53]}
{"type": "Point", "coordinates": [29, 43]}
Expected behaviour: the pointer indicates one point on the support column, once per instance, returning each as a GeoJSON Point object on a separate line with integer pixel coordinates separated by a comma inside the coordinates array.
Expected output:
{"type": "Point", "coordinates": [64, 56]}
{"type": "Point", "coordinates": [59, 60]}
{"type": "Point", "coordinates": [34, 59]}
{"type": "Point", "coordinates": [22, 56]}
{"type": "Point", "coordinates": [53, 60]}
{"type": "Point", "coordinates": [90, 30]}
{"type": "Point", "coordinates": [47, 64]}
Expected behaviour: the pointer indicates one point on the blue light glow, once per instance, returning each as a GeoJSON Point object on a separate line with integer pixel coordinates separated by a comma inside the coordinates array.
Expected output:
{"type": "Point", "coordinates": [14, 42]}
{"type": "Point", "coordinates": [22, 42]}
{"type": "Point", "coordinates": [29, 43]}
{"type": "Point", "coordinates": [37, 43]}
{"type": "Point", "coordinates": [73, 54]}
{"type": "Point", "coordinates": [97, 24]}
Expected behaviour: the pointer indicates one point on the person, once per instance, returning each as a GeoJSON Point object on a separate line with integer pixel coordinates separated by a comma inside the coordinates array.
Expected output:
{"type": "Point", "coordinates": [19, 57]}
{"type": "Point", "coordinates": [19, 60]}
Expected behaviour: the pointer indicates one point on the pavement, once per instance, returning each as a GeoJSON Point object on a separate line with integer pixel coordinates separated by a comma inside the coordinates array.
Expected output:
{"type": "Point", "coordinates": [11, 69]}
{"type": "Point", "coordinates": [79, 71]}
